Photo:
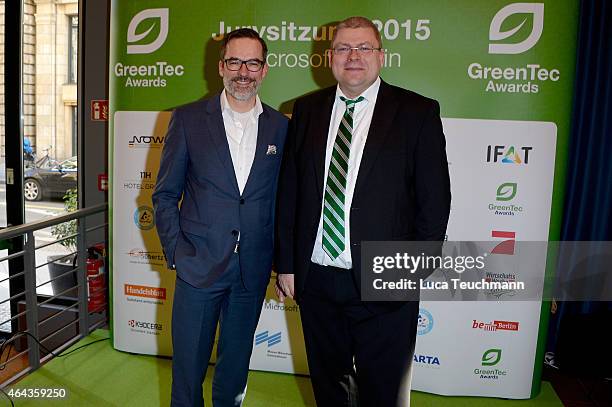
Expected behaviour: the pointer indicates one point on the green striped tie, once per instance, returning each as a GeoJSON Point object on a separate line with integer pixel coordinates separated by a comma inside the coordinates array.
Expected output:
{"type": "Point", "coordinates": [335, 189]}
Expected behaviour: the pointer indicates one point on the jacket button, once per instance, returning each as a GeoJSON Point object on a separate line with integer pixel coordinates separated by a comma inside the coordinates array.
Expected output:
{"type": "Point", "coordinates": [241, 201]}
{"type": "Point", "coordinates": [234, 233]}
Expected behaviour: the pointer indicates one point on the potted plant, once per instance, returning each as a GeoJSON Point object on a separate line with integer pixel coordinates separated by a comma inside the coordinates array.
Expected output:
{"type": "Point", "coordinates": [59, 266]}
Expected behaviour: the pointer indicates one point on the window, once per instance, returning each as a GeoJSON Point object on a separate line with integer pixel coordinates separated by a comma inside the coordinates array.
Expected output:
{"type": "Point", "coordinates": [73, 40]}
{"type": "Point", "coordinates": [74, 118]}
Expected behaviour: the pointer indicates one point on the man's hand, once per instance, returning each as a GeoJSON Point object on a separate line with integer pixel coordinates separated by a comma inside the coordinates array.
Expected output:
{"type": "Point", "coordinates": [284, 286]}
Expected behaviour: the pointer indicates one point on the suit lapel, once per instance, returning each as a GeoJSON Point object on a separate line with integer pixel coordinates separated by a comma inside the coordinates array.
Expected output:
{"type": "Point", "coordinates": [380, 129]}
{"type": "Point", "coordinates": [319, 138]}
{"type": "Point", "coordinates": [265, 137]}
{"type": "Point", "coordinates": [216, 129]}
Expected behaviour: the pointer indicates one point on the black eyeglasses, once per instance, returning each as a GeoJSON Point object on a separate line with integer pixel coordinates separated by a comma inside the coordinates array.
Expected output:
{"type": "Point", "coordinates": [252, 65]}
{"type": "Point", "coordinates": [342, 50]}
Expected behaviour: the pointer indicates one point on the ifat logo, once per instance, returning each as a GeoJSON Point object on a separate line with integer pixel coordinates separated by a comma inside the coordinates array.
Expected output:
{"type": "Point", "coordinates": [161, 14]}
{"type": "Point", "coordinates": [491, 357]}
{"type": "Point", "coordinates": [510, 155]}
{"type": "Point", "coordinates": [536, 10]}
{"type": "Point", "coordinates": [425, 322]}
{"type": "Point", "coordinates": [143, 217]}
{"type": "Point", "coordinates": [265, 337]}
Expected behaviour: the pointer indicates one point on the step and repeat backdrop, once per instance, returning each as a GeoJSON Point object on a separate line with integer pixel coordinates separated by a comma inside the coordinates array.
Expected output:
{"type": "Point", "coordinates": [503, 74]}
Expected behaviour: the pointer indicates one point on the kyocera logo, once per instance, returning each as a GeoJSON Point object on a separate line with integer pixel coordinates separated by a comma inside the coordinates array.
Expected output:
{"type": "Point", "coordinates": [496, 33]}
{"type": "Point", "coordinates": [146, 325]}
{"type": "Point", "coordinates": [133, 37]}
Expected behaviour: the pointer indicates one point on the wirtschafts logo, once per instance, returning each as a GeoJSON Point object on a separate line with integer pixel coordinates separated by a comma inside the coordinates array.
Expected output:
{"type": "Point", "coordinates": [145, 327]}
{"type": "Point", "coordinates": [267, 338]}
{"type": "Point", "coordinates": [491, 358]}
{"type": "Point", "coordinates": [161, 14]}
{"type": "Point", "coordinates": [143, 218]}
{"type": "Point", "coordinates": [536, 10]}
{"type": "Point", "coordinates": [495, 326]}
{"type": "Point", "coordinates": [425, 322]}
{"type": "Point", "coordinates": [505, 193]}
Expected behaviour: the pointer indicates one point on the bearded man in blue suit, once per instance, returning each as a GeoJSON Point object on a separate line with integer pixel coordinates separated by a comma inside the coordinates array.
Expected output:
{"type": "Point", "coordinates": [214, 210]}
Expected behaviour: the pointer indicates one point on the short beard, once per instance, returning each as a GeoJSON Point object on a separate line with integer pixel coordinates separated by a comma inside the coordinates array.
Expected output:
{"type": "Point", "coordinates": [242, 95]}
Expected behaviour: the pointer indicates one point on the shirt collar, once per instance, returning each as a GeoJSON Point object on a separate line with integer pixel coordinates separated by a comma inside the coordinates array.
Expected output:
{"type": "Point", "coordinates": [226, 108]}
{"type": "Point", "coordinates": [369, 94]}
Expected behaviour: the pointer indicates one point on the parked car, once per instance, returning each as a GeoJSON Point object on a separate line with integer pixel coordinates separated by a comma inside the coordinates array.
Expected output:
{"type": "Point", "coordinates": [50, 182]}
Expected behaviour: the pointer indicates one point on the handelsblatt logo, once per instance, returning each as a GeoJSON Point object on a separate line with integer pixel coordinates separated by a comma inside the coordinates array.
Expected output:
{"type": "Point", "coordinates": [265, 337]}
{"type": "Point", "coordinates": [157, 293]}
{"type": "Point", "coordinates": [132, 37]}
{"type": "Point", "coordinates": [506, 191]}
{"type": "Point", "coordinates": [491, 357]}
{"type": "Point", "coordinates": [536, 10]}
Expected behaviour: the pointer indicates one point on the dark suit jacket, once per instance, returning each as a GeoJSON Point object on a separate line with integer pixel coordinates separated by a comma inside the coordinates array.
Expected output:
{"type": "Point", "coordinates": [402, 190]}
{"type": "Point", "coordinates": [199, 235]}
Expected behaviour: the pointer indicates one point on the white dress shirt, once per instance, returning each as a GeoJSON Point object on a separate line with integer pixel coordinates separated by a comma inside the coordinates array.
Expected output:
{"type": "Point", "coordinates": [362, 117]}
{"type": "Point", "coordinates": [241, 132]}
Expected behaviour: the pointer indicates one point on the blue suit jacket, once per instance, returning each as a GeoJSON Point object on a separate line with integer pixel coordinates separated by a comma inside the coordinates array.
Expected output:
{"type": "Point", "coordinates": [199, 234]}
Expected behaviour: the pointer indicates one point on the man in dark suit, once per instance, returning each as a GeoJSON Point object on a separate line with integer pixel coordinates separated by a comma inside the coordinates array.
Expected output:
{"type": "Point", "coordinates": [364, 161]}
{"type": "Point", "coordinates": [221, 157]}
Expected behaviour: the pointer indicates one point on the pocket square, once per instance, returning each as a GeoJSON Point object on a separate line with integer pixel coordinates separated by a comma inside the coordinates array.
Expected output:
{"type": "Point", "coordinates": [271, 149]}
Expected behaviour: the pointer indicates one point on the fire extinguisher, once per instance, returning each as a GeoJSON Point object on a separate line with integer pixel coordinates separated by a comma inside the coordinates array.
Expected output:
{"type": "Point", "coordinates": [96, 282]}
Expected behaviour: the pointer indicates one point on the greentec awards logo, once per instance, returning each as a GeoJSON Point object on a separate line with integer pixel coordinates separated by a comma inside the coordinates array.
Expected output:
{"type": "Point", "coordinates": [496, 34]}
{"type": "Point", "coordinates": [156, 73]}
{"type": "Point", "coordinates": [506, 191]}
{"type": "Point", "coordinates": [160, 14]}
{"type": "Point", "coordinates": [514, 77]}
{"type": "Point", "coordinates": [491, 357]}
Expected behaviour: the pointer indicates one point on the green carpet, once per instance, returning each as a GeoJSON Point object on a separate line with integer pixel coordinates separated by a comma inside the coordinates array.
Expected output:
{"type": "Point", "coordinates": [98, 375]}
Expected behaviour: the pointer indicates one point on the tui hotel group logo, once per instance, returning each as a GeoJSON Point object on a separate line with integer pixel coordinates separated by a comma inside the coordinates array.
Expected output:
{"type": "Point", "coordinates": [142, 181]}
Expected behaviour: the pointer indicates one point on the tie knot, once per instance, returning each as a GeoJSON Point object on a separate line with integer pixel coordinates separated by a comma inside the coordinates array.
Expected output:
{"type": "Point", "coordinates": [350, 103]}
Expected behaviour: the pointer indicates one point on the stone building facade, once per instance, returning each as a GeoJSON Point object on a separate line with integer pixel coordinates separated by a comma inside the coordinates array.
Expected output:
{"type": "Point", "coordinates": [50, 44]}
